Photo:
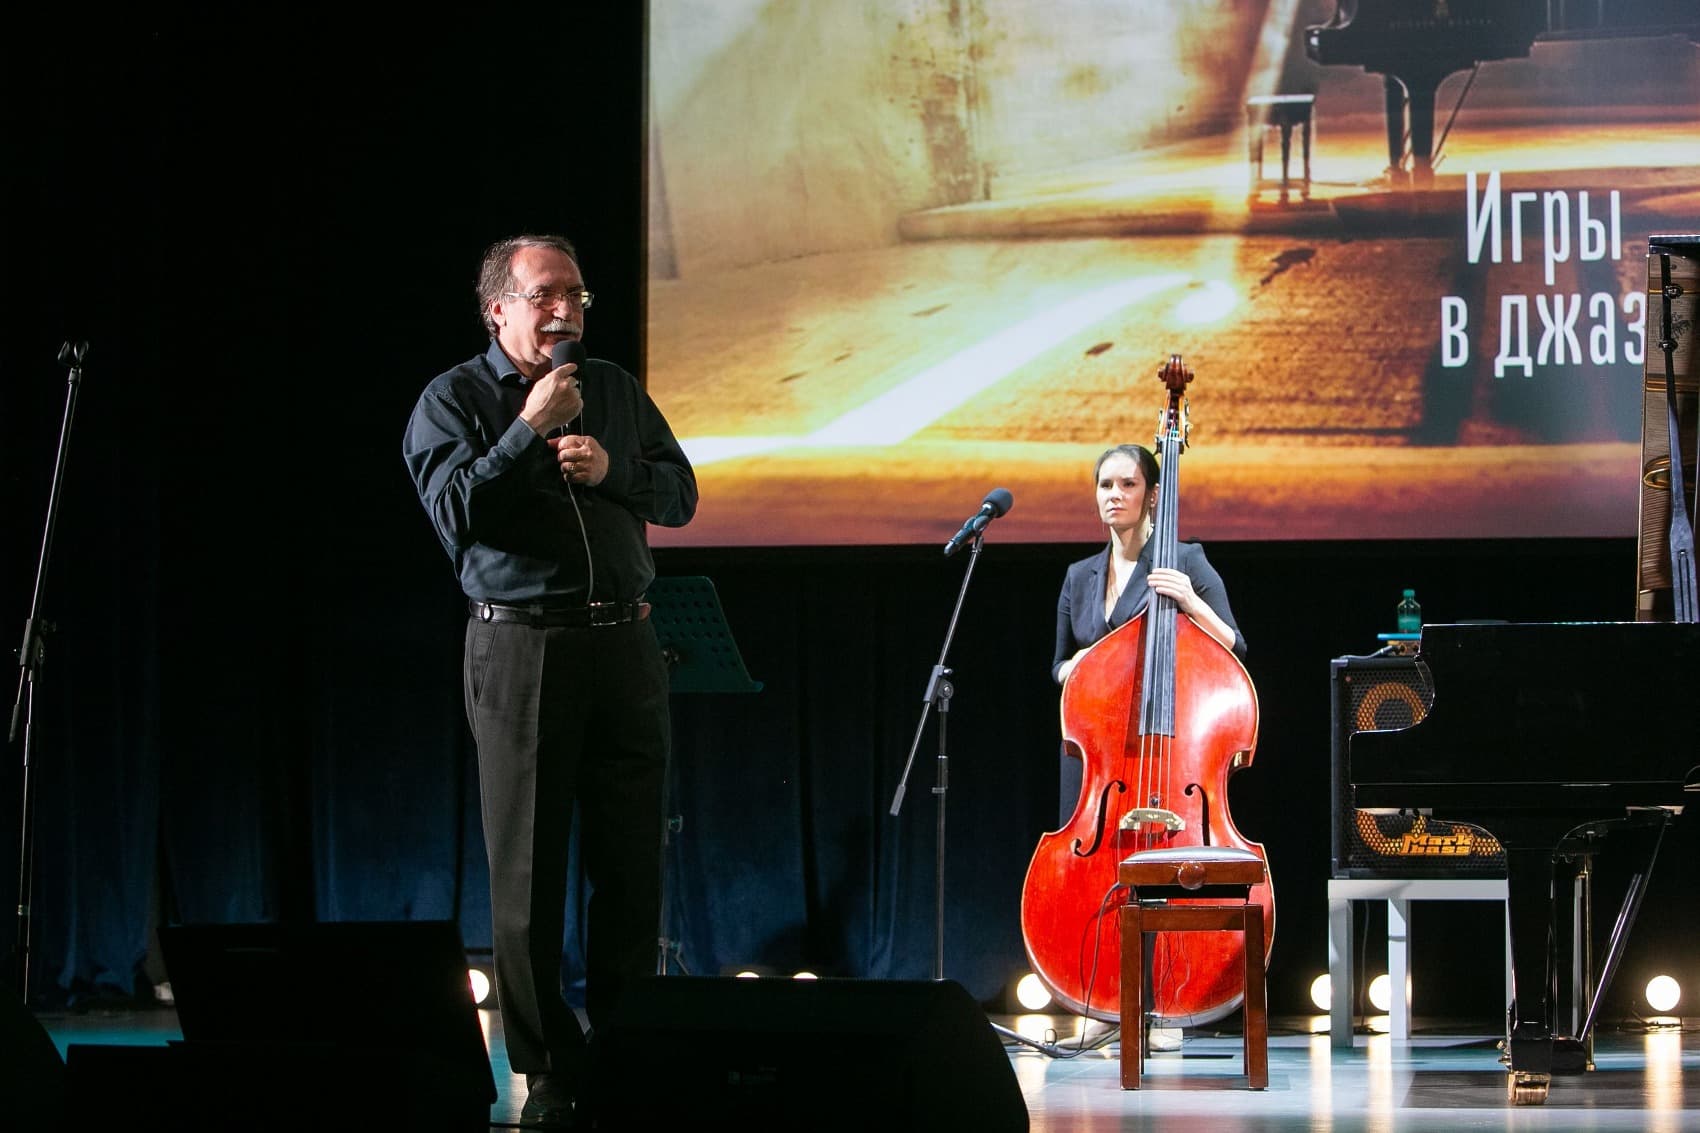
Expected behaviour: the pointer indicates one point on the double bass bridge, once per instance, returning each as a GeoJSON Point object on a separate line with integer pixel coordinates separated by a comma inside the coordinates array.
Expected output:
{"type": "Point", "coordinates": [1151, 818]}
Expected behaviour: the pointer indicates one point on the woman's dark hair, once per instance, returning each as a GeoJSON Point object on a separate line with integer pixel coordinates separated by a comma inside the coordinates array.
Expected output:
{"type": "Point", "coordinates": [1141, 456]}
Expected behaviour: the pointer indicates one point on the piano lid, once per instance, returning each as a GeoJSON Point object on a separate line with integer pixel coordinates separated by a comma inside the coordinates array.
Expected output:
{"type": "Point", "coordinates": [1393, 36]}
{"type": "Point", "coordinates": [1544, 714]}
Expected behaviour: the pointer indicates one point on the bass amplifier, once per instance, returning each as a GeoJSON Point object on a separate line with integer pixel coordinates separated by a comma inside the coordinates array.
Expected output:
{"type": "Point", "coordinates": [1377, 694]}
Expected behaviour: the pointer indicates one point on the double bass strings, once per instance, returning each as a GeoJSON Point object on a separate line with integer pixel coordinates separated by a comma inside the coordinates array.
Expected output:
{"type": "Point", "coordinates": [1157, 710]}
{"type": "Point", "coordinates": [1157, 702]}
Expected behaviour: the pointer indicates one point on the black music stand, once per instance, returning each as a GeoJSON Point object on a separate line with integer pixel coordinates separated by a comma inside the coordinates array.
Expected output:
{"type": "Point", "coordinates": [701, 656]}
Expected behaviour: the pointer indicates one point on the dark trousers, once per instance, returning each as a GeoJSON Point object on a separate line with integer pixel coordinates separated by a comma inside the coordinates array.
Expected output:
{"type": "Point", "coordinates": [563, 715]}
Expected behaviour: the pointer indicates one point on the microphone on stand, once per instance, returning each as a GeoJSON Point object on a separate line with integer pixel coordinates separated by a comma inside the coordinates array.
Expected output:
{"type": "Point", "coordinates": [996, 503]}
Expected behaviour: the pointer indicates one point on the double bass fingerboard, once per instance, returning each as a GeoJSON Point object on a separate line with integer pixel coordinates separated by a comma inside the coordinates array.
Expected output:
{"type": "Point", "coordinates": [1157, 704]}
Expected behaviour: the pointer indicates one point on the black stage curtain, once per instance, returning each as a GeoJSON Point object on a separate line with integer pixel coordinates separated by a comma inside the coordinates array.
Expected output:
{"type": "Point", "coordinates": [250, 707]}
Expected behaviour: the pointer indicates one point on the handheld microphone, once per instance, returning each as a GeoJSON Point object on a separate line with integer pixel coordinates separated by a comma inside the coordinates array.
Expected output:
{"type": "Point", "coordinates": [564, 351]}
{"type": "Point", "coordinates": [997, 502]}
{"type": "Point", "coordinates": [570, 350]}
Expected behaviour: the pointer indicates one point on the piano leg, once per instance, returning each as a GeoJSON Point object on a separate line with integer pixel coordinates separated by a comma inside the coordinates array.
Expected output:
{"type": "Point", "coordinates": [1421, 89]}
{"type": "Point", "coordinates": [1576, 875]}
{"type": "Point", "coordinates": [1393, 100]}
{"type": "Point", "coordinates": [1573, 873]}
{"type": "Point", "coordinates": [1534, 867]}
{"type": "Point", "coordinates": [1529, 1023]}
{"type": "Point", "coordinates": [1409, 103]}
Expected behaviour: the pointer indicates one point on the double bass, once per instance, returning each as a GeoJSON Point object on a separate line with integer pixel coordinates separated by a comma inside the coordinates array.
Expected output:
{"type": "Point", "coordinates": [1162, 714]}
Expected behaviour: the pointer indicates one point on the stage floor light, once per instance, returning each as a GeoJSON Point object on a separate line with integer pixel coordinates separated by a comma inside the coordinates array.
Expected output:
{"type": "Point", "coordinates": [1031, 994]}
{"type": "Point", "coordinates": [1381, 993]}
{"type": "Point", "coordinates": [1663, 993]}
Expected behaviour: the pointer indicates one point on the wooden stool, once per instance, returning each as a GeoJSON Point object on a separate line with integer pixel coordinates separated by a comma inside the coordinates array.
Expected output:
{"type": "Point", "coordinates": [1219, 873]}
{"type": "Point", "coordinates": [1281, 112]}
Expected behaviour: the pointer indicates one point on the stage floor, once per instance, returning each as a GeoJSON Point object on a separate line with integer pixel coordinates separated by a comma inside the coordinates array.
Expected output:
{"type": "Point", "coordinates": [1448, 1076]}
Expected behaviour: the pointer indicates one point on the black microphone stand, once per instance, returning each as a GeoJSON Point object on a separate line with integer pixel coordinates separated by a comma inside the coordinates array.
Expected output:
{"type": "Point", "coordinates": [939, 691]}
{"type": "Point", "coordinates": [30, 655]}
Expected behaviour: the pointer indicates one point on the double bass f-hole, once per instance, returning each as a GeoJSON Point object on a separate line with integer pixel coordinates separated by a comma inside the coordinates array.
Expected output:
{"type": "Point", "coordinates": [1118, 787]}
{"type": "Point", "coordinates": [1204, 805]}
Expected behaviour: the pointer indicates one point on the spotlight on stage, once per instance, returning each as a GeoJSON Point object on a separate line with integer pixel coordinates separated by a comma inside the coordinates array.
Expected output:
{"type": "Point", "coordinates": [749, 974]}
{"type": "Point", "coordinates": [480, 982]}
{"type": "Point", "coordinates": [1322, 991]}
{"type": "Point", "coordinates": [1381, 993]}
{"type": "Point", "coordinates": [1031, 994]}
{"type": "Point", "coordinates": [1663, 993]}
{"type": "Point", "coordinates": [805, 975]}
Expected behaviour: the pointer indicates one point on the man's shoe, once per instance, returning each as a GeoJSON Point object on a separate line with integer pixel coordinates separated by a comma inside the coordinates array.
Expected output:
{"type": "Point", "coordinates": [548, 1103]}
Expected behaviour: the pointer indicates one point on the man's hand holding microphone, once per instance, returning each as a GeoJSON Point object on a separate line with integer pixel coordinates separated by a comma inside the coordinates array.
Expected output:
{"type": "Point", "coordinates": [557, 400]}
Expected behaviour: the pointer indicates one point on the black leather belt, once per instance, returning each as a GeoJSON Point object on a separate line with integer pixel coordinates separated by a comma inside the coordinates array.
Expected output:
{"type": "Point", "coordinates": [595, 614]}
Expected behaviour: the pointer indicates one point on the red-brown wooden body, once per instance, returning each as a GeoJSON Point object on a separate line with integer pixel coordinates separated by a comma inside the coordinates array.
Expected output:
{"type": "Point", "coordinates": [1071, 933]}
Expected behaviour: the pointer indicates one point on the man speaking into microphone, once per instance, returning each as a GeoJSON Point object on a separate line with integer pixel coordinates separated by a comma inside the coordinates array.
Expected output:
{"type": "Point", "coordinates": [539, 468]}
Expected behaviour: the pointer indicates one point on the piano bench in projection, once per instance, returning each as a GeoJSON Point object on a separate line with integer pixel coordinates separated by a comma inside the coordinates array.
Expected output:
{"type": "Point", "coordinates": [1398, 892]}
{"type": "Point", "coordinates": [1281, 113]}
{"type": "Point", "coordinates": [1222, 876]}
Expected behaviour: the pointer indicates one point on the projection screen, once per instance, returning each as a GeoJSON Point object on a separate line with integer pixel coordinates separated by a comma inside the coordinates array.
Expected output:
{"type": "Point", "coordinates": [902, 253]}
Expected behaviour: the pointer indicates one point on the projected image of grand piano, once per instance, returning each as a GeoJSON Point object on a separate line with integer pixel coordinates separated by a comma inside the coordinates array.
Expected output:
{"type": "Point", "coordinates": [1417, 44]}
{"type": "Point", "coordinates": [892, 254]}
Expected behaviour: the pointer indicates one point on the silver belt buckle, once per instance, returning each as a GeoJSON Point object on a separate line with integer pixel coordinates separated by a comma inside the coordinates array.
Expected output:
{"type": "Point", "coordinates": [604, 613]}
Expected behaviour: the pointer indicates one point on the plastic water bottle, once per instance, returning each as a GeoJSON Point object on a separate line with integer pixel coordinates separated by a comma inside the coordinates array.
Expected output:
{"type": "Point", "coordinates": [1409, 614]}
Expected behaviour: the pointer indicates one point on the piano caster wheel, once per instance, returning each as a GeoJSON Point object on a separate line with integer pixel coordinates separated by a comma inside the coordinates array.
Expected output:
{"type": "Point", "coordinates": [1524, 1088]}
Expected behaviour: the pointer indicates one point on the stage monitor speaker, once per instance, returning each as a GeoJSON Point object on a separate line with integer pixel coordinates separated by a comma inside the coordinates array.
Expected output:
{"type": "Point", "coordinates": [802, 1054]}
{"type": "Point", "coordinates": [348, 1025]}
{"type": "Point", "coordinates": [1387, 693]}
{"type": "Point", "coordinates": [32, 1075]}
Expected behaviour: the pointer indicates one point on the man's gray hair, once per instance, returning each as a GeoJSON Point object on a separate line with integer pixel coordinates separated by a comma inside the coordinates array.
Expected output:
{"type": "Point", "coordinates": [496, 273]}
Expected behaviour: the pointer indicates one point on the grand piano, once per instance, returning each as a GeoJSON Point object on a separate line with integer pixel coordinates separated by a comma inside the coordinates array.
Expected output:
{"type": "Point", "coordinates": [1415, 44]}
{"type": "Point", "coordinates": [1550, 736]}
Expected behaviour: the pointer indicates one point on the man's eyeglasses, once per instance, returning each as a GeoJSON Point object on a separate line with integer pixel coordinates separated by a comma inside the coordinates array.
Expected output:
{"type": "Point", "coordinates": [548, 298]}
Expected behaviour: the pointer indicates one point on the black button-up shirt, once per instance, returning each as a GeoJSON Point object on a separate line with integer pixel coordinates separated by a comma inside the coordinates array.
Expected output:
{"type": "Point", "coordinates": [503, 512]}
